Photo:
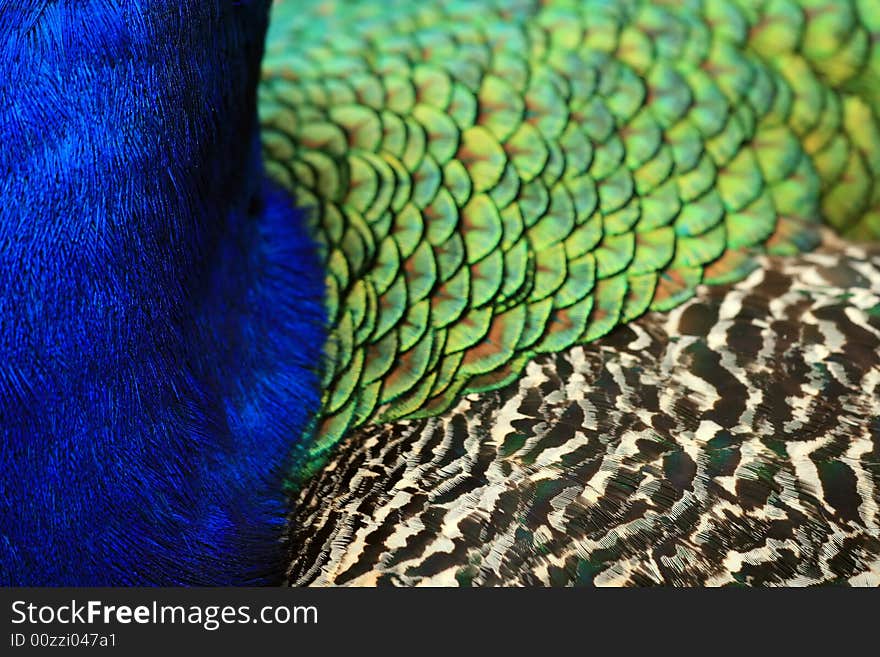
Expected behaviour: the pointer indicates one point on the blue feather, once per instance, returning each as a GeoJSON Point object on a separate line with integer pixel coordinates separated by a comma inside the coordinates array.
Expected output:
{"type": "Point", "coordinates": [161, 304]}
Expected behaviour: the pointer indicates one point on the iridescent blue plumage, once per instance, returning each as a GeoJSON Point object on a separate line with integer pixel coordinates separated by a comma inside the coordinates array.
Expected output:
{"type": "Point", "coordinates": [160, 304]}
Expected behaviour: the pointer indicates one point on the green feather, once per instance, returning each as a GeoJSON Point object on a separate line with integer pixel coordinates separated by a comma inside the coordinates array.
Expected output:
{"type": "Point", "coordinates": [487, 185]}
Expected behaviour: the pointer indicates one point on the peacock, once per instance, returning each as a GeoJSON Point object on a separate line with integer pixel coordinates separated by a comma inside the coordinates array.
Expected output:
{"type": "Point", "coordinates": [510, 292]}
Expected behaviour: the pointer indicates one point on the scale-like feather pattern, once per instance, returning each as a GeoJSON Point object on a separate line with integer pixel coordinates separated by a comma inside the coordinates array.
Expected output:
{"type": "Point", "coordinates": [490, 181]}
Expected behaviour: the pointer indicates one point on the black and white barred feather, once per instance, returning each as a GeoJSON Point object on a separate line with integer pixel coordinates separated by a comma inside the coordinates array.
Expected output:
{"type": "Point", "coordinates": [733, 441]}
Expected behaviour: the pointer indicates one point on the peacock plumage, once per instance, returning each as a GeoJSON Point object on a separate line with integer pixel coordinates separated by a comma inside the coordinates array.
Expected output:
{"type": "Point", "coordinates": [500, 292]}
{"type": "Point", "coordinates": [730, 442]}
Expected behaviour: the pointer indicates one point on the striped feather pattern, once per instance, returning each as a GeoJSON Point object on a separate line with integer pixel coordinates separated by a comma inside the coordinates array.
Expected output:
{"type": "Point", "coordinates": [733, 441]}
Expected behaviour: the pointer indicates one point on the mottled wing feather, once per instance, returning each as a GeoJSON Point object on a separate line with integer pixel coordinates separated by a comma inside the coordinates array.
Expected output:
{"type": "Point", "coordinates": [732, 442]}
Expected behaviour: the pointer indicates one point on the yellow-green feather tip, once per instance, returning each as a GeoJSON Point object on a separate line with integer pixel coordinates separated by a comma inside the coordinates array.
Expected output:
{"type": "Point", "coordinates": [488, 185]}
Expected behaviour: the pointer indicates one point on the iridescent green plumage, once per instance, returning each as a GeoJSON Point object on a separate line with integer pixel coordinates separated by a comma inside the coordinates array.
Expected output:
{"type": "Point", "coordinates": [493, 180]}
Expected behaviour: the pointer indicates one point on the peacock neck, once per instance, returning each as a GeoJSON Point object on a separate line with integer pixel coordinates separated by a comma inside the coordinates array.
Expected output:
{"type": "Point", "coordinates": [156, 295]}
{"type": "Point", "coordinates": [158, 97]}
